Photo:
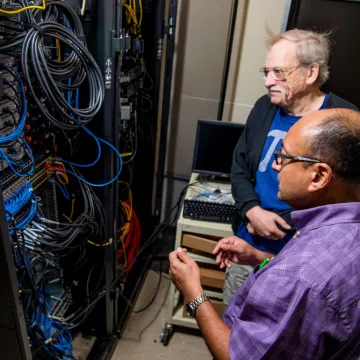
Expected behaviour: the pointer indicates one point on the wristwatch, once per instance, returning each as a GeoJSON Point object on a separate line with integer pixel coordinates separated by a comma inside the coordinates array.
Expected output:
{"type": "Point", "coordinates": [193, 305]}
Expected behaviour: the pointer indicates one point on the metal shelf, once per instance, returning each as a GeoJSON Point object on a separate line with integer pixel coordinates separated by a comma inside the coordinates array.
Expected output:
{"type": "Point", "coordinates": [202, 258]}
{"type": "Point", "coordinates": [179, 319]}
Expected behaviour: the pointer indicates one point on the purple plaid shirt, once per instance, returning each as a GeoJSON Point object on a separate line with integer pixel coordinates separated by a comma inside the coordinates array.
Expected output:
{"type": "Point", "coordinates": [304, 304]}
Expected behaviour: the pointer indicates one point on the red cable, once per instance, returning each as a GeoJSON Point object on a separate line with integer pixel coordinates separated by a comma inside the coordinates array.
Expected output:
{"type": "Point", "coordinates": [132, 240]}
{"type": "Point", "coordinates": [47, 166]}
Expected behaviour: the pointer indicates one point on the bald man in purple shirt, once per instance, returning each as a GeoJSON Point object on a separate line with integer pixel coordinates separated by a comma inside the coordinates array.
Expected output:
{"type": "Point", "coordinates": [305, 302]}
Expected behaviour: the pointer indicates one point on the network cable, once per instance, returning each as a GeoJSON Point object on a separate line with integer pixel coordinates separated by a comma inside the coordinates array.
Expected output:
{"type": "Point", "coordinates": [18, 11]}
{"type": "Point", "coordinates": [19, 128]}
{"type": "Point", "coordinates": [97, 140]}
{"type": "Point", "coordinates": [51, 76]}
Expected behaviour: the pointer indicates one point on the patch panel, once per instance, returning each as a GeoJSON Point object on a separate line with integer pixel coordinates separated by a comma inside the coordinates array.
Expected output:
{"type": "Point", "coordinates": [6, 129]}
{"type": "Point", "coordinates": [59, 300]}
{"type": "Point", "coordinates": [6, 104]}
{"type": "Point", "coordinates": [13, 188]}
{"type": "Point", "coordinates": [47, 196]}
{"type": "Point", "coordinates": [15, 149]}
{"type": "Point", "coordinates": [7, 177]}
{"type": "Point", "coordinates": [9, 91]}
{"type": "Point", "coordinates": [7, 76]}
{"type": "Point", "coordinates": [8, 119]}
{"type": "Point", "coordinates": [19, 204]}
{"type": "Point", "coordinates": [38, 178]}
{"type": "Point", "coordinates": [41, 177]}
{"type": "Point", "coordinates": [4, 59]}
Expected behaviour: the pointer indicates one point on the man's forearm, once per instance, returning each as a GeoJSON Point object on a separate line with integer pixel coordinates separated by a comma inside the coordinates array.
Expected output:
{"type": "Point", "coordinates": [214, 330]}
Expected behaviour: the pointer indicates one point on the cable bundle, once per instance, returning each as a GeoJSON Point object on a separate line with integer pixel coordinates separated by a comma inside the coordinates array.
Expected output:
{"type": "Point", "coordinates": [57, 236]}
{"type": "Point", "coordinates": [13, 148]}
{"type": "Point", "coordinates": [19, 100]}
{"type": "Point", "coordinates": [20, 207]}
{"type": "Point", "coordinates": [33, 271]}
{"type": "Point", "coordinates": [48, 78]}
{"type": "Point", "coordinates": [130, 234]}
{"type": "Point", "coordinates": [17, 198]}
{"type": "Point", "coordinates": [131, 14]}
{"type": "Point", "coordinates": [52, 76]}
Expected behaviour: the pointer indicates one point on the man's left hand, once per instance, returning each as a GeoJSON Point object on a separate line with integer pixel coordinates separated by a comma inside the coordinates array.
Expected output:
{"type": "Point", "coordinates": [185, 274]}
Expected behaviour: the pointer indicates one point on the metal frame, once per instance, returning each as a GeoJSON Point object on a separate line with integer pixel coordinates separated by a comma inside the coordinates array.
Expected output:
{"type": "Point", "coordinates": [117, 66]}
{"type": "Point", "coordinates": [284, 23]}
{"type": "Point", "coordinates": [229, 46]}
{"type": "Point", "coordinates": [105, 58]}
{"type": "Point", "coordinates": [12, 322]}
{"type": "Point", "coordinates": [170, 30]}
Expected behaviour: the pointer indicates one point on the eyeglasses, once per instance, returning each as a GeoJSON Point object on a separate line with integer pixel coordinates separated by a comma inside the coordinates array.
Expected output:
{"type": "Point", "coordinates": [279, 156]}
{"type": "Point", "coordinates": [278, 73]}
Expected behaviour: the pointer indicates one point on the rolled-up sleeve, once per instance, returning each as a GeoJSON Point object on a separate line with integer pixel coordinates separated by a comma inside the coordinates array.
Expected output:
{"type": "Point", "coordinates": [281, 318]}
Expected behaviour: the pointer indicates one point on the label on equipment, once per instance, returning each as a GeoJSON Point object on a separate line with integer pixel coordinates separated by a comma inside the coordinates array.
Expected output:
{"type": "Point", "coordinates": [108, 76]}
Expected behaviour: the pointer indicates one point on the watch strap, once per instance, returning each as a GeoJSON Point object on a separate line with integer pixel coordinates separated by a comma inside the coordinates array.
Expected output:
{"type": "Point", "coordinates": [193, 305]}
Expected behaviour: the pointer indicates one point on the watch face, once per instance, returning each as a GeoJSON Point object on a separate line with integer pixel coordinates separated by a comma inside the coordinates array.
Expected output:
{"type": "Point", "coordinates": [189, 310]}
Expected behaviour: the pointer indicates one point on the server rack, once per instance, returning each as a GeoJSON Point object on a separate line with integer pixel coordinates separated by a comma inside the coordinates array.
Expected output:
{"type": "Point", "coordinates": [110, 314]}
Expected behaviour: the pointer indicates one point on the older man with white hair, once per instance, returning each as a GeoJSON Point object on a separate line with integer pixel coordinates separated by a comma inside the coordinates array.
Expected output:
{"type": "Point", "coordinates": [296, 67]}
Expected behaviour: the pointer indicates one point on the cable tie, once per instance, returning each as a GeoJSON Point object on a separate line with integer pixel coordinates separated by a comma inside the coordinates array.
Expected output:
{"type": "Point", "coordinates": [82, 39]}
{"type": "Point", "coordinates": [36, 27]}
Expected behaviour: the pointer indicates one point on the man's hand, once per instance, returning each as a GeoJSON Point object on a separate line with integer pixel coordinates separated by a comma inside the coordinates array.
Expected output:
{"type": "Point", "coordinates": [238, 251]}
{"type": "Point", "coordinates": [185, 274]}
{"type": "Point", "coordinates": [264, 223]}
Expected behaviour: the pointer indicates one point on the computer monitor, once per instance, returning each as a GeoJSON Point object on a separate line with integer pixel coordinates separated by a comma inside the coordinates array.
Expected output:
{"type": "Point", "coordinates": [214, 146]}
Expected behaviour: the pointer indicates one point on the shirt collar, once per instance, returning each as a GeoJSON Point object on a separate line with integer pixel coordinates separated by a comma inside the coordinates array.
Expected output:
{"type": "Point", "coordinates": [326, 215]}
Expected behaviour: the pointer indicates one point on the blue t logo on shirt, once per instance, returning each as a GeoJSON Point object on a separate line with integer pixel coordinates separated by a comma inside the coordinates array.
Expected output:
{"type": "Point", "coordinates": [278, 136]}
{"type": "Point", "coordinates": [266, 178]}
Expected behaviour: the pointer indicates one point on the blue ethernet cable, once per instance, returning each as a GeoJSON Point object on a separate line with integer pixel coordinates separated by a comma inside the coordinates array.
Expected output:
{"type": "Point", "coordinates": [86, 130]}
{"type": "Point", "coordinates": [32, 211]}
{"type": "Point", "coordinates": [20, 198]}
{"type": "Point", "coordinates": [62, 189]}
{"type": "Point", "coordinates": [108, 182]}
{"type": "Point", "coordinates": [12, 163]}
{"type": "Point", "coordinates": [98, 140]}
{"type": "Point", "coordinates": [98, 156]}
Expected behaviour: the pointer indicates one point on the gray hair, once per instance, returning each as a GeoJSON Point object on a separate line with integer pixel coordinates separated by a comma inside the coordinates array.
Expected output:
{"type": "Point", "coordinates": [312, 48]}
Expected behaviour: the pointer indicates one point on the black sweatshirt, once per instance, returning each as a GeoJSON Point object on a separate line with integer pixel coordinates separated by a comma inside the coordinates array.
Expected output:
{"type": "Point", "coordinates": [248, 150]}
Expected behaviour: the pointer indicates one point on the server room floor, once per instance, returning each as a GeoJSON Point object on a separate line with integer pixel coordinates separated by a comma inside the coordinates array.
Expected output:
{"type": "Point", "coordinates": [141, 338]}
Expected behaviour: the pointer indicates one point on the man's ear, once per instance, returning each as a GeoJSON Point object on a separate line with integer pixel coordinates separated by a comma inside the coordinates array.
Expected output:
{"type": "Point", "coordinates": [321, 176]}
{"type": "Point", "coordinates": [313, 74]}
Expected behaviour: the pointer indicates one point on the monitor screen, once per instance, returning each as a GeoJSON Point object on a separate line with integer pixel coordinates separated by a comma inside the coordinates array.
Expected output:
{"type": "Point", "coordinates": [214, 146]}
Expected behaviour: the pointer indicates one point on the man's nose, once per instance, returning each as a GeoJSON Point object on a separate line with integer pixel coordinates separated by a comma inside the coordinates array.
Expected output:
{"type": "Point", "coordinates": [270, 81]}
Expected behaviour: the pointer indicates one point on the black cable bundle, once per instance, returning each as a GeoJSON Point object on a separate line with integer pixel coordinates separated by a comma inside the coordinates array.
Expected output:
{"type": "Point", "coordinates": [52, 76]}
{"type": "Point", "coordinates": [55, 236]}
{"type": "Point", "coordinates": [52, 81]}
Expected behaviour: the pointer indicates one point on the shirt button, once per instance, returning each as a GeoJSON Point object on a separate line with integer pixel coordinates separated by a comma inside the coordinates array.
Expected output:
{"type": "Point", "coordinates": [297, 233]}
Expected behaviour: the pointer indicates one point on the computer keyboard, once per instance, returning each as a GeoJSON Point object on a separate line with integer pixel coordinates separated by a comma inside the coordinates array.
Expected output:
{"type": "Point", "coordinates": [208, 211]}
